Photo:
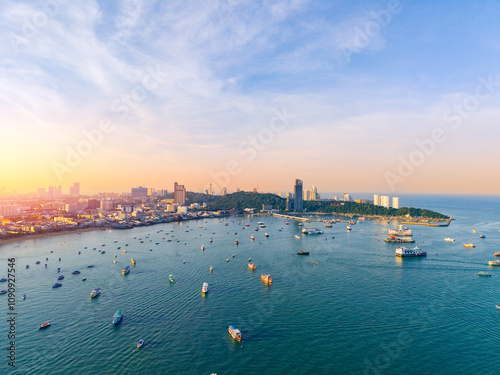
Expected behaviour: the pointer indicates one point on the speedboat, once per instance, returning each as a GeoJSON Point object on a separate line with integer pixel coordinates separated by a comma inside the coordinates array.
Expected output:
{"type": "Point", "coordinates": [171, 279]}
{"type": "Point", "coordinates": [44, 325]}
{"type": "Point", "coordinates": [95, 292]}
{"type": "Point", "coordinates": [140, 343]}
{"type": "Point", "coordinates": [117, 317]}
{"type": "Point", "coordinates": [266, 279]}
{"type": "Point", "coordinates": [56, 285]}
{"type": "Point", "coordinates": [302, 252]}
{"type": "Point", "coordinates": [482, 273]}
{"type": "Point", "coordinates": [125, 270]}
{"type": "Point", "coordinates": [60, 277]}
{"type": "Point", "coordinates": [37, 262]}
{"type": "Point", "coordinates": [252, 237]}
{"type": "Point", "coordinates": [252, 266]}
{"type": "Point", "coordinates": [235, 333]}
{"type": "Point", "coordinates": [469, 245]}
{"type": "Point", "coordinates": [449, 239]}
{"type": "Point", "coordinates": [76, 272]}
{"type": "Point", "coordinates": [3, 291]}
{"type": "Point", "coordinates": [482, 236]}
{"type": "Point", "coordinates": [3, 279]}
{"type": "Point", "coordinates": [24, 296]}
{"type": "Point", "coordinates": [204, 288]}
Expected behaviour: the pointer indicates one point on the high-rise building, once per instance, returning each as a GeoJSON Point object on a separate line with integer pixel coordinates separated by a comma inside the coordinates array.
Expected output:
{"type": "Point", "coordinates": [224, 191]}
{"type": "Point", "coordinates": [179, 193]}
{"type": "Point", "coordinates": [51, 192]}
{"type": "Point", "coordinates": [140, 192]}
{"type": "Point", "coordinates": [346, 197]}
{"type": "Point", "coordinates": [106, 205]}
{"type": "Point", "coordinates": [289, 204]}
{"type": "Point", "coordinates": [384, 201]}
{"type": "Point", "coordinates": [75, 189]}
{"type": "Point", "coordinates": [395, 202]}
{"type": "Point", "coordinates": [58, 192]}
{"type": "Point", "coordinates": [210, 191]}
{"type": "Point", "coordinates": [314, 193]}
{"type": "Point", "coordinates": [376, 200]}
{"type": "Point", "coordinates": [298, 202]}
{"type": "Point", "coordinates": [307, 195]}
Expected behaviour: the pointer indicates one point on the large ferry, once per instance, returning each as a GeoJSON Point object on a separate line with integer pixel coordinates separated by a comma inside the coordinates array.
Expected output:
{"type": "Point", "coordinates": [235, 333]}
{"type": "Point", "coordinates": [414, 252]}
{"type": "Point", "coordinates": [400, 232]}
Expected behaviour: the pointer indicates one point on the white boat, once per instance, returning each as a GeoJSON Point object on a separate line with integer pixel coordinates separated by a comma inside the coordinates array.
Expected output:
{"type": "Point", "coordinates": [95, 292]}
{"type": "Point", "coordinates": [348, 227]}
{"type": "Point", "coordinates": [202, 247]}
{"type": "Point", "coordinates": [413, 252]}
{"type": "Point", "coordinates": [266, 234]}
{"type": "Point", "coordinates": [297, 236]}
{"type": "Point", "coordinates": [252, 237]}
{"type": "Point", "coordinates": [449, 239]}
{"type": "Point", "coordinates": [204, 288]}
{"type": "Point", "coordinates": [311, 231]}
{"type": "Point", "coordinates": [400, 232]}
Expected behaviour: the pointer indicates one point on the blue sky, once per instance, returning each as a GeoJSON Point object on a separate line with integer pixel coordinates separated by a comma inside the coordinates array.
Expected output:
{"type": "Point", "coordinates": [226, 66]}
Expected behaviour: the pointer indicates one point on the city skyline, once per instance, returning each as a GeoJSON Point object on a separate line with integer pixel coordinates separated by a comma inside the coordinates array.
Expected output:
{"type": "Point", "coordinates": [387, 96]}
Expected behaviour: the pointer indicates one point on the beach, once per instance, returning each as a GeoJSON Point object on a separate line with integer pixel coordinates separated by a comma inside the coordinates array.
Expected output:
{"type": "Point", "coordinates": [51, 234]}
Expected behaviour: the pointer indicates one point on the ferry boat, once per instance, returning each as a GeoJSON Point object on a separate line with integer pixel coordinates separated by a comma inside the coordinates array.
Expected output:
{"type": "Point", "coordinates": [140, 343]}
{"type": "Point", "coordinates": [235, 333]}
{"type": "Point", "coordinates": [252, 266]}
{"type": "Point", "coordinates": [414, 252]}
{"type": "Point", "coordinates": [302, 252]}
{"type": "Point", "coordinates": [125, 270]}
{"type": "Point", "coordinates": [44, 325]}
{"type": "Point", "coordinates": [400, 232]}
{"type": "Point", "coordinates": [60, 277]}
{"type": "Point", "coordinates": [95, 292]}
{"type": "Point", "coordinates": [171, 279]}
{"type": "Point", "coordinates": [56, 285]}
{"type": "Point", "coordinates": [449, 239]}
{"type": "Point", "coordinates": [469, 245]}
{"type": "Point", "coordinates": [266, 279]}
{"type": "Point", "coordinates": [132, 260]}
{"type": "Point", "coordinates": [204, 288]}
{"type": "Point", "coordinates": [311, 231]}
{"type": "Point", "coordinates": [399, 240]}
{"type": "Point", "coordinates": [482, 273]}
{"type": "Point", "coordinates": [494, 263]}
{"type": "Point", "coordinates": [76, 272]}
{"type": "Point", "coordinates": [117, 317]}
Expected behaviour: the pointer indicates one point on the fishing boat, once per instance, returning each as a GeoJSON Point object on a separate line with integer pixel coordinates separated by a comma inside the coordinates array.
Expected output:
{"type": "Point", "coordinates": [414, 252]}
{"type": "Point", "coordinates": [76, 272]}
{"type": "Point", "coordinates": [204, 288]}
{"type": "Point", "coordinates": [140, 343]}
{"type": "Point", "coordinates": [235, 333]}
{"type": "Point", "coordinates": [117, 317]}
{"type": "Point", "coordinates": [125, 270]}
{"type": "Point", "coordinates": [44, 325]}
{"type": "Point", "coordinates": [266, 279]}
{"type": "Point", "coordinates": [302, 252]}
{"type": "Point", "coordinates": [482, 273]}
{"type": "Point", "coordinates": [60, 277]}
{"type": "Point", "coordinates": [95, 292]}
{"type": "Point", "coordinates": [252, 266]}
{"type": "Point", "coordinates": [171, 279]}
{"type": "Point", "coordinates": [3, 279]}
{"type": "Point", "coordinates": [469, 245]}
{"type": "Point", "coordinates": [3, 291]}
{"type": "Point", "coordinates": [449, 239]}
{"type": "Point", "coordinates": [494, 263]}
{"type": "Point", "coordinates": [56, 285]}
{"type": "Point", "coordinates": [132, 260]}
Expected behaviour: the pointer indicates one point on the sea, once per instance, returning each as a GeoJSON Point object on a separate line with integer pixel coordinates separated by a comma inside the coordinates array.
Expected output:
{"type": "Point", "coordinates": [350, 307]}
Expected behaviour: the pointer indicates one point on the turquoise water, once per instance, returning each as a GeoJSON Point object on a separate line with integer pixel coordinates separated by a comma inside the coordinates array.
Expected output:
{"type": "Point", "coordinates": [360, 310]}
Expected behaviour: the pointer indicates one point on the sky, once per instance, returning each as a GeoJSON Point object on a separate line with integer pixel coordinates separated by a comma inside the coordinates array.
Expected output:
{"type": "Point", "coordinates": [380, 96]}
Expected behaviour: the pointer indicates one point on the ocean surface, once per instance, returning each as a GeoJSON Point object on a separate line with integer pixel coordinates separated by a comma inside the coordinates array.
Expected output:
{"type": "Point", "coordinates": [359, 310]}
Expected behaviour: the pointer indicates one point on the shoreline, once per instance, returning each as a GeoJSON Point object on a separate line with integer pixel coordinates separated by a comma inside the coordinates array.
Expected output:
{"type": "Point", "coordinates": [50, 234]}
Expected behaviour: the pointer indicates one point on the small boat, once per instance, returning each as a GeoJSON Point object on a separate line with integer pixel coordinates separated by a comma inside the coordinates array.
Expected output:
{"type": "Point", "coordinates": [235, 333]}
{"type": "Point", "coordinates": [79, 252]}
{"type": "Point", "coordinates": [124, 251]}
{"type": "Point", "coordinates": [90, 266]}
{"type": "Point", "coordinates": [469, 245]}
{"type": "Point", "coordinates": [59, 259]}
{"type": "Point", "coordinates": [114, 261]}
{"type": "Point", "coordinates": [76, 272]}
{"type": "Point", "coordinates": [3, 279]}
{"type": "Point", "coordinates": [297, 236]}
{"type": "Point", "coordinates": [44, 325]}
{"type": "Point", "coordinates": [204, 288]}
{"type": "Point", "coordinates": [482, 236]}
{"type": "Point", "coordinates": [140, 343]}
{"type": "Point", "coordinates": [24, 296]}
{"type": "Point", "coordinates": [132, 260]}
{"type": "Point", "coordinates": [37, 262]}
{"type": "Point", "coordinates": [125, 270]}
{"type": "Point", "coordinates": [498, 307]}
{"type": "Point", "coordinates": [95, 293]}
{"type": "Point", "coordinates": [497, 253]}
{"type": "Point", "coordinates": [302, 252]}
{"type": "Point", "coordinates": [236, 242]}
{"type": "Point", "coordinates": [117, 317]}
{"type": "Point", "coordinates": [103, 252]}
{"type": "Point", "coordinates": [252, 237]}
{"type": "Point", "coordinates": [315, 263]}
{"type": "Point", "coordinates": [211, 268]}
{"type": "Point", "coordinates": [202, 247]}
{"type": "Point", "coordinates": [60, 277]}
{"type": "Point", "coordinates": [301, 224]}
{"type": "Point", "coordinates": [266, 234]}
{"type": "Point", "coordinates": [449, 239]}
{"type": "Point", "coordinates": [473, 231]}
{"type": "Point", "coordinates": [171, 278]}
{"type": "Point", "coordinates": [494, 263]}
{"type": "Point", "coordinates": [252, 266]}
{"type": "Point", "coordinates": [227, 260]}
{"type": "Point", "coordinates": [348, 227]}
{"type": "Point", "coordinates": [256, 229]}
{"type": "Point", "coordinates": [27, 266]}
{"type": "Point", "coordinates": [211, 240]}
{"type": "Point", "coordinates": [84, 279]}
{"type": "Point", "coordinates": [266, 279]}
{"type": "Point", "coordinates": [115, 256]}
{"type": "Point", "coordinates": [56, 285]}
{"type": "Point", "coordinates": [3, 291]}
{"type": "Point", "coordinates": [482, 273]}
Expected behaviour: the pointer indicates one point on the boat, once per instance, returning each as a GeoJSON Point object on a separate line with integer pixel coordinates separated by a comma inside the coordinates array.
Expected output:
{"type": "Point", "coordinates": [236, 242]}
{"type": "Point", "coordinates": [3, 291]}
{"type": "Point", "coordinates": [256, 229]}
{"type": "Point", "coordinates": [95, 292]}
{"type": "Point", "coordinates": [449, 239]}
{"type": "Point", "coordinates": [414, 252]}
{"type": "Point", "coordinates": [266, 234]}
{"type": "Point", "coordinates": [140, 343]}
{"type": "Point", "coordinates": [497, 253]}
{"type": "Point", "coordinates": [302, 252]}
{"type": "Point", "coordinates": [286, 223]}
{"type": "Point", "coordinates": [37, 262]}
{"type": "Point", "coordinates": [125, 270]}
{"type": "Point", "coordinates": [473, 231]}
{"type": "Point", "coordinates": [103, 252]}
{"type": "Point", "coordinates": [44, 325]}
{"type": "Point", "coordinates": [348, 228]}
{"type": "Point", "coordinates": [90, 266]}
{"type": "Point", "coordinates": [132, 260]}
{"type": "Point", "coordinates": [124, 251]}
{"type": "Point", "coordinates": [400, 232]}
{"type": "Point", "coordinates": [204, 288]}
{"type": "Point", "coordinates": [252, 237]}
{"type": "Point", "coordinates": [235, 333]}
{"type": "Point", "coordinates": [297, 236]}
{"type": "Point", "coordinates": [311, 231]}
{"type": "Point", "coordinates": [266, 279]}
{"type": "Point", "coordinates": [27, 266]}
{"type": "Point", "coordinates": [56, 285]}
{"type": "Point", "coordinates": [202, 247]}
{"type": "Point", "coordinates": [328, 225]}
{"type": "Point", "coordinates": [482, 236]}
{"type": "Point", "coordinates": [482, 273]}
{"type": "Point", "coordinates": [3, 279]}
{"type": "Point", "coordinates": [117, 317]}
{"type": "Point", "coordinates": [211, 240]}
{"type": "Point", "coordinates": [399, 240]}
{"type": "Point", "coordinates": [84, 279]}
{"type": "Point", "coordinates": [469, 245]}
{"type": "Point", "coordinates": [60, 277]}
{"type": "Point", "coordinates": [494, 263]}
{"type": "Point", "coordinates": [24, 296]}
{"type": "Point", "coordinates": [252, 266]}
{"type": "Point", "coordinates": [76, 272]}
{"type": "Point", "coordinates": [211, 268]}
{"type": "Point", "coordinates": [171, 278]}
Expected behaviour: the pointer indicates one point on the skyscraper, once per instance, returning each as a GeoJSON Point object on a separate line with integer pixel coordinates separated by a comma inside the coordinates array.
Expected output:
{"type": "Point", "coordinates": [298, 202]}
{"type": "Point", "coordinates": [224, 191]}
{"type": "Point", "coordinates": [75, 189]}
{"type": "Point", "coordinates": [179, 193]}
{"type": "Point", "coordinates": [395, 202]}
{"type": "Point", "coordinates": [307, 195]}
{"type": "Point", "coordinates": [314, 193]}
{"type": "Point", "coordinates": [376, 200]}
{"type": "Point", "coordinates": [384, 201]}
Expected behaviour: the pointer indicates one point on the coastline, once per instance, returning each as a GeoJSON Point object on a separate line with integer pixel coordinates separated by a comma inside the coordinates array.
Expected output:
{"type": "Point", "coordinates": [51, 234]}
